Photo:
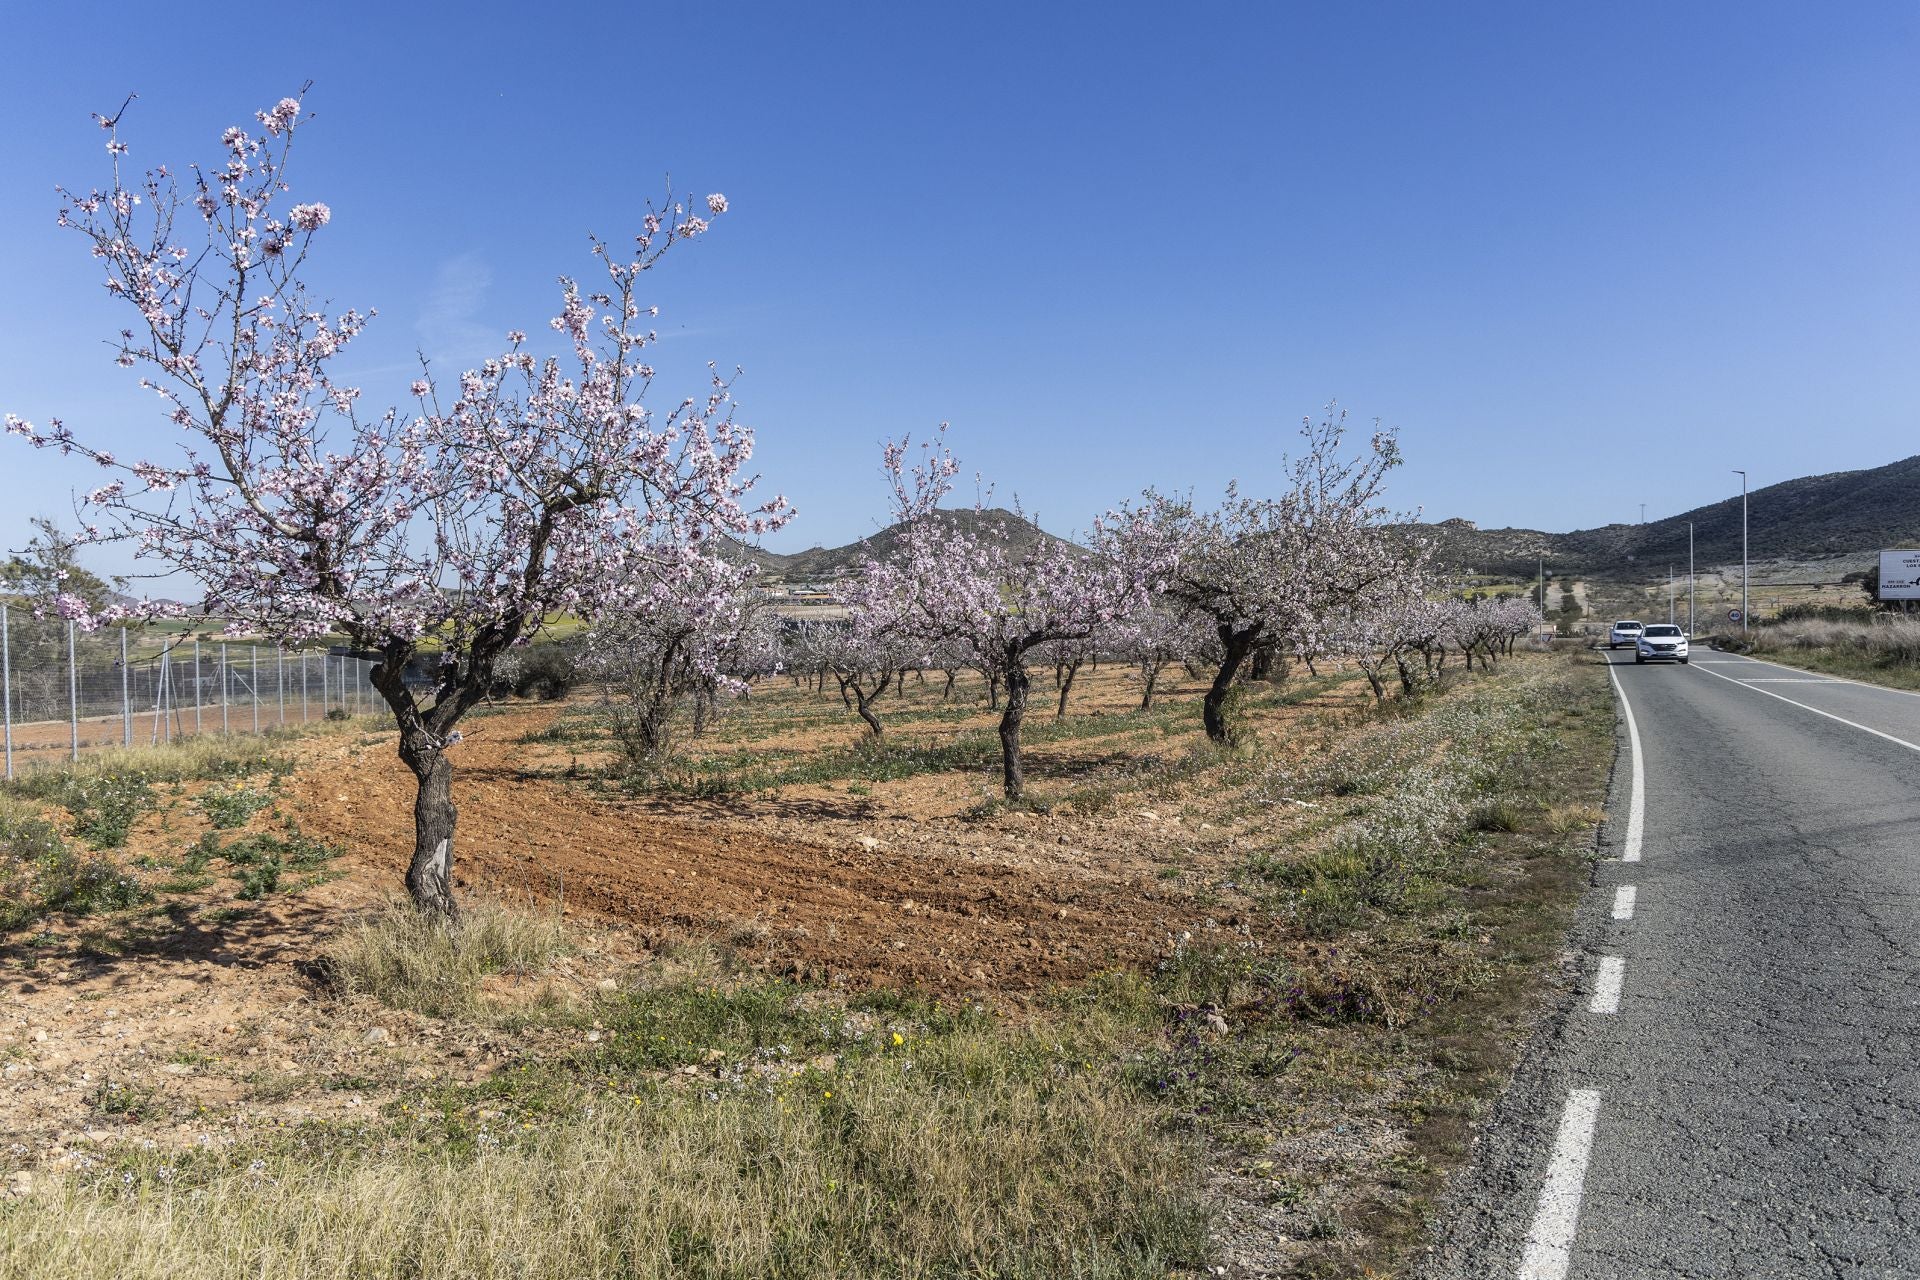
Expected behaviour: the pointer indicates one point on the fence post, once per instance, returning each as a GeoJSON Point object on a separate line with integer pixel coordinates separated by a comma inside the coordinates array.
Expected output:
{"type": "Point", "coordinates": [73, 695]}
{"type": "Point", "coordinates": [196, 686]}
{"type": "Point", "coordinates": [325, 706]}
{"type": "Point", "coordinates": [280, 680]}
{"type": "Point", "coordinates": [304, 717]}
{"type": "Point", "coordinates": [226, 687]}
{"type": "Point", "coordinates": [253, 655]}
{"type": "Point", "coordinates": [6, 681]}
{"type": "Point", "coordinates": [126, 694]}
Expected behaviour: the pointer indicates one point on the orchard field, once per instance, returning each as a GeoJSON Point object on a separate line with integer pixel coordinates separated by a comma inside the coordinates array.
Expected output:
{"type": "Point", "coordinates": [806, 1003]}
{"type": "Point", "coordinates": [906, 966]}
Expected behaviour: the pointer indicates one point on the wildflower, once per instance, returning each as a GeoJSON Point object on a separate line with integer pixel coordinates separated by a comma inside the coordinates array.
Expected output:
{"type": "Point", "coordinates": [898, 1039]}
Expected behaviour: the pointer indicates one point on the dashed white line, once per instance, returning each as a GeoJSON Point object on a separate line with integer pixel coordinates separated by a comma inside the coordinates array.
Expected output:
{"type": "Point", "coordinates": [1550, 1240]}
{"type": "Point", "coordinates": [1636, 804]}
{"type": "Point", "coordinates": [1623, 902]}
{"type": "Point", "coordinates": [1606, 986]}
{"type": "Point", "coordinates": [1768, 693]}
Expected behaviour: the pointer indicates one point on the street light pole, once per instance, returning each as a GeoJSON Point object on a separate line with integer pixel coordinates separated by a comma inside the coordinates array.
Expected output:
{"type": "Point", "coordinates": [1689, 577]}
{"type": "Point", "coordinates": [1745, 622]}
{"type": "Point", "coordinates": [1669, 595]}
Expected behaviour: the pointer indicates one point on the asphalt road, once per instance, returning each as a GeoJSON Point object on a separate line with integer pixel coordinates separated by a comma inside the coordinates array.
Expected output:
{"type": "Point", "coordinates": [1734, 1087]}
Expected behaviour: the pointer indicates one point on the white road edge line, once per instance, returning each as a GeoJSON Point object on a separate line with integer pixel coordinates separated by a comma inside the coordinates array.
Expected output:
{"type": "Point", "coordinates": [1899, 742]}
{"type": "Point", "coordinates": [1637, 805]}
{"type": "Point", "coordinates": [1550, 1240]}
{"type": "Point", "coordinates": [1781, 666]}
{"type": "Point", "coordinates": [1606, 987]}
{"type": "Point", "coordinates": [1623, 902]}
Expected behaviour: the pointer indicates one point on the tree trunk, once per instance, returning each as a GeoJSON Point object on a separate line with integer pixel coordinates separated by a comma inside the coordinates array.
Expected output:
{"type": "Point", "coordinates": [947, 693]}
{"type": "Point", "coordinates": [864, 705]}
{"type": "Point", "coordinates": [993, 693]}
{"type": "Point", "coordinates": [1149, 676]}
{"type": "Point", "coordinates": [1373, 680]}
{"type": "Point", "coordinates": [1012, 774]}
{"type": "Point", "coordinates": [430, 875]}
{"type": "Point", "coordinates": [1237, 645]}
{"type": "Point", "coordinates": [1066, 687]}
{"type": "Point", "coordinates": [1261, 668]}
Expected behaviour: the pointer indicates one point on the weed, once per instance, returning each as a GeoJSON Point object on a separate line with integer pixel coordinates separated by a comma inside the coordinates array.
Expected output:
{"type": "Point", "coordinates": [126, 1101]}
{"type": "Point", "coordinates": [41, 874]}
{"type": "Point", "coordinates": [260, 878]}
{"type": "Point", "coordinates": [230, 807]}
{"type": "Point", "coordinates": [408, 959]}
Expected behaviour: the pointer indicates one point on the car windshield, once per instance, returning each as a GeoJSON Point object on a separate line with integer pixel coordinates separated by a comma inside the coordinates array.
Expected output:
{"type": "Point", "coordinates": [1663, 631]}
{"type": "Point", "coordinates": [1626, 626]}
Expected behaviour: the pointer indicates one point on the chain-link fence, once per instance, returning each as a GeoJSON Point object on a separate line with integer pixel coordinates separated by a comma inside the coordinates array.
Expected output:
{"type": "Point", "coordinates": [66, 691]}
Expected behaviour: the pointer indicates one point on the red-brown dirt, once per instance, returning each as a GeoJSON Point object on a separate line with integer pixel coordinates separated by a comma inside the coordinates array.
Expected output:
{"type": "Point", "coordinates": [811, 883]}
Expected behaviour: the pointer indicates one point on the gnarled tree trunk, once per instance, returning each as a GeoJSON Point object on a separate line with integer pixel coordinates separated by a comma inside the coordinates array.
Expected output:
{"type": "Point", "coordinates": [1013, 775]}
{"type": "Point", "coordinates": [1236, 645]}
{"type": "Point", "coordinates": [430, 874]}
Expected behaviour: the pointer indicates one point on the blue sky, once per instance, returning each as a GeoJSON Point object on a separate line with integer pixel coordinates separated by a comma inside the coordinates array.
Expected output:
{"type": "Point", "coordinates": [1584, 257]}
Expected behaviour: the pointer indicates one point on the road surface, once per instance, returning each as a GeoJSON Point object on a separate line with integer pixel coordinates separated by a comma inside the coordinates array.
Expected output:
{"type": "Point", "coordinates": [1734, 1090]}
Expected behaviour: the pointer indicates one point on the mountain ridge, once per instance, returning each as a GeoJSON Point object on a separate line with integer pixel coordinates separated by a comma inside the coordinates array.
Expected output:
{"type": "Point", "coordinates": [1838, 513]}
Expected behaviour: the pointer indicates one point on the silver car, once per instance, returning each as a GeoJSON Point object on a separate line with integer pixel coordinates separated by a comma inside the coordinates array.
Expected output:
{"type": "Point", "coordinates": [1627, 633]}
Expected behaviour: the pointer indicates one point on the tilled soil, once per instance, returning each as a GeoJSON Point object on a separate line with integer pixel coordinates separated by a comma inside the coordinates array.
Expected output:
{"type": "Point", "coordinates": [828, 890]}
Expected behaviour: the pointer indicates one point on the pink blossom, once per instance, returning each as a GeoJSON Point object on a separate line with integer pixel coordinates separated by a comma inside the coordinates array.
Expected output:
{"type": "Point", "coordinates": [310, 217]}
{"type": "Point", "coordinates": [716, 204]}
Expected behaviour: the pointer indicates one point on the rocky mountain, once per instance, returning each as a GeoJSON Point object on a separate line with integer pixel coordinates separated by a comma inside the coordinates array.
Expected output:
{"type": "Point", "coordinates": [1842, 513]}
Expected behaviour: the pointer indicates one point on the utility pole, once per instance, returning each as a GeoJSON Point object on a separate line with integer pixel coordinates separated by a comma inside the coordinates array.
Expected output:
{"type": "Point", "coordinates": [1643, 513]}
{"type": "Point", "coordinates": [1669, 594]}
{"type": "Point", "coordinates": [1745, 622]}
{"type": "Point", "coordinates": [1689, 577]}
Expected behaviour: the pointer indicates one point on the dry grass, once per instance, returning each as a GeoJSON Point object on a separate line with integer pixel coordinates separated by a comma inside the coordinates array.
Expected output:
{"type": "Point", "coordinates": [965, 1146]}
{"type": "Point", "coordinates": [1882, 648]}
{"type": "Point", "coordinates": [409, 960]}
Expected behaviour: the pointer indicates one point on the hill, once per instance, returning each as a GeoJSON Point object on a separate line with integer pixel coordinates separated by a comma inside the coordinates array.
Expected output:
{"type": "Point", "coordinates": [1842, 513]}
{"type": "Point", "coordinates": [826, 563]}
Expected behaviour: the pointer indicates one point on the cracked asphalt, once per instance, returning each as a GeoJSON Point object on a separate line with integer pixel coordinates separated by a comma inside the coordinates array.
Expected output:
{"type": "Point", "coordinates": [1760, 1083]}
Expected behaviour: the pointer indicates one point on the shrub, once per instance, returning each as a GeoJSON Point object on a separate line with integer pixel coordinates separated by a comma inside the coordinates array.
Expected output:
{"type": "Point", "coordinates": [546, 671]}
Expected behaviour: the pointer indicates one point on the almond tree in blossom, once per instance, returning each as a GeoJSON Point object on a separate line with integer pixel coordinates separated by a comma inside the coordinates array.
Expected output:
{"type": "Point", "coordinates": [1156, 637]}
{"type": "Point", "coordinates": [1271, 570]}
{"type": "Point", "coordinates": [668, 639]}
{"type": "Point", "coordinates": [979, 586]}
{"type": "Point", "coordinates": [866, 656]}
{"type": "Point", "coordinates": [514, 491]}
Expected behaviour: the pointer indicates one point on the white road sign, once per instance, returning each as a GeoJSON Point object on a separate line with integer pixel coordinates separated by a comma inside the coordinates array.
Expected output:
{"type": "Point", "coordinates": [1900, 575]}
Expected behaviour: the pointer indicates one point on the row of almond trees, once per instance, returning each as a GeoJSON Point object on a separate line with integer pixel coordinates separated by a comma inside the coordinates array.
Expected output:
{"type": "Point", "coordinates": [448, 525]}
{"type": "Point", "coordinates": [1323, 570]}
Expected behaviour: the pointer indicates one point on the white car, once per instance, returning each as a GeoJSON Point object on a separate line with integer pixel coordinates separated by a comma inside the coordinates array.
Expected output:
{"type": "Point", "coordinates": [1661, 642]}
{"type": "Point", "coordinates": [1624, 633]}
